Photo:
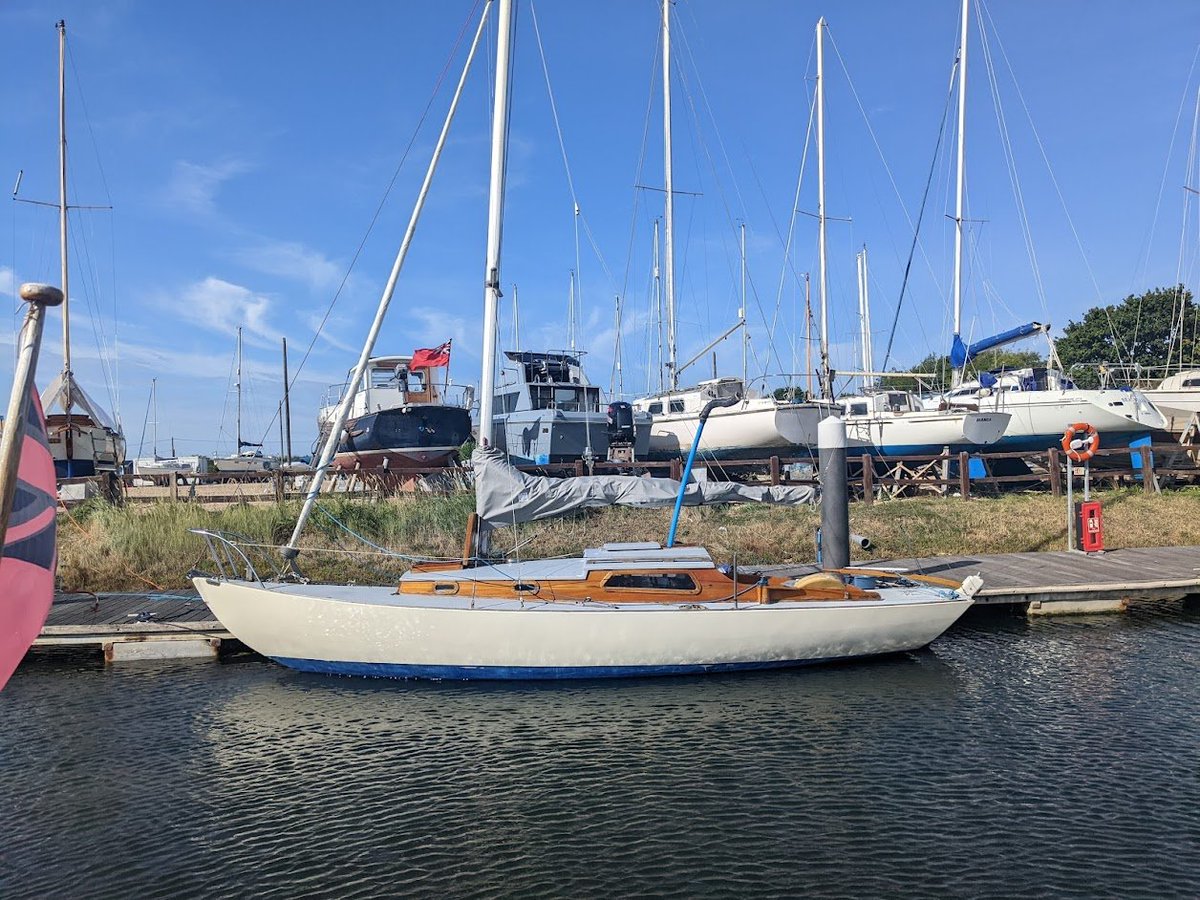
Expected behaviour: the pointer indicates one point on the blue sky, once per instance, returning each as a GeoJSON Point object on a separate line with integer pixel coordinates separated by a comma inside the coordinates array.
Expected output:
{"type": "Point", "coordinates": [245, 147]}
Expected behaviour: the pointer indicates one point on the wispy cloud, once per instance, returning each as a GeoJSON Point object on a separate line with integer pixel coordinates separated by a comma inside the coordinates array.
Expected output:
{"type": "Point", "coordinates": [8, 282]}
{"type": "Point", "coordinates": [193, 186]}
{"type": "Point", "coordinates": [222, 306]}
{"type": "Point", "coordinates": [291, 259]}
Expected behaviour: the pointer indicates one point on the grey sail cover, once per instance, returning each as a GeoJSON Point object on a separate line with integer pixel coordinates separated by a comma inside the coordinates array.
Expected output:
{"type": "Point", "coordinates": [505, 495]}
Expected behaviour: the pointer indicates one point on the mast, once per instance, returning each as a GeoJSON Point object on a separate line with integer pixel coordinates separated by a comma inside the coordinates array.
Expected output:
{"type": "Point", "coordinates": [808, 369]}
{"type": "Point", "coordinates": [618, 350]}
{"type": "Point", "coordinates": [658, 307]}
{"type": "Point", "coordinates": [826, 378]}
{"type": "Point", "coordinates": [491, 293]}
{"type": "Point", "coordinates": [154, 406]}
{"type": "Point", "coordinates": [62, 217]}
{"type": "Point", "coordinates": [960, 176]}
{"type": "Point", "coordinates": [864, 315]}
{"type": "Point", "coordinates": [238, 386]}
{"type": "Point", "coordinates": [338, 425]}
{"type": "Point", "coordinates": [287, 407]}
{"type": "Point", "coordinates": [668, 187]}
{"type": "Point", "coordinates": [742, 311]}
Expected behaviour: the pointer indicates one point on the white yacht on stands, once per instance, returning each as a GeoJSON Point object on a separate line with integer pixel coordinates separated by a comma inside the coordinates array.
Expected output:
{"type": "Point", "coordinates": [754, 427]}
{"type": "Point", "coordinates": [895, 423]}
{"type": "Point", "coordinates": [1042, 402]}
{"type": "Point", "coordinates": [1178, 398]}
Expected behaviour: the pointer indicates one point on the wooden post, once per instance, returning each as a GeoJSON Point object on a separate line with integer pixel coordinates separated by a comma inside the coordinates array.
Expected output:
{"type": "Point", "coordinates": [964, 474]}
{"type": "Point", "coordinates": [1054, 467]}
{"type": "Point", "coordinates": [868, 479]}
{"type": "Point", "coordinates": [173, 484]}
{"type": "Point", "coordinates": [277, 476]}
{"type": "Point", "coordinates": [676, 469]}
{"type": "Point", "coordinates": [774, 470]}
{"type": "Point", "coordinates": [1149, 482]}
{"type": "Point", "coordinates": [579, 468]}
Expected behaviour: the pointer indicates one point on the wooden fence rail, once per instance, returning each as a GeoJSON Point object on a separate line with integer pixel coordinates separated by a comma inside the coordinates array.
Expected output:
{"type": "Point", "coordinates": [870, 478]}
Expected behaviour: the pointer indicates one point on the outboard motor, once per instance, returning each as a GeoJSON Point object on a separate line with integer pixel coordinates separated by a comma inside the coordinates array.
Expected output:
{"type": "Point", "coordinates": [620, 431]}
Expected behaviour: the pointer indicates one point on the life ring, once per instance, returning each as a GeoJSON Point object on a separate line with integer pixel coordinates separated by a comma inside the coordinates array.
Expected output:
{"type": "Point", "coordinates": [1080, 442]}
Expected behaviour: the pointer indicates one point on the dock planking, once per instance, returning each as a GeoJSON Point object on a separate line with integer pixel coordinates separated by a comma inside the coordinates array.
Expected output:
{"type": "Point", "coordinates": [134, 625]}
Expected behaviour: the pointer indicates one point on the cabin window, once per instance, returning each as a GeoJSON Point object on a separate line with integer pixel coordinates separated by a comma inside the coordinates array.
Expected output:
{"type": "Point", "coordinates": [656, 409]}
{"type": "Point", "coordinates": [666, 581]}
{"type": "Point", "coordinates": [1191, 382]}
{"type": "Point", "coordinates": [676, 406]}
{"type": "Point", "coordinates": [508, 402]}
{"type": "Point", "coordinates": [858, 409]}
{"type": "Point", "coordinates": [445, 587]}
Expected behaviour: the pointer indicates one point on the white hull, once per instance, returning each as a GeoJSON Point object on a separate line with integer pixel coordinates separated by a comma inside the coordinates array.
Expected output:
{"type": "Point", "coordinates": [914, 432]}
{"type": "Point", "coordinates": [376, 631]}
{"type": "Point", "coordinates": [1039, 418]}
{"type": "Point", "coordinates": [749, 429]}
{"type": "Point", "coordinates": [1178, 405]}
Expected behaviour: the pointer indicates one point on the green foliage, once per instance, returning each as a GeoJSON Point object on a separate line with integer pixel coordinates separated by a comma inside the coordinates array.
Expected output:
{"type": "Point", "coordinates": [465, 451]}
{"type": "Point", "coordinates": [791, 394]}
{"type": "Point", "coordinates": [939, 370]}
{"type": "Point", "coordinates": [1140, 330]}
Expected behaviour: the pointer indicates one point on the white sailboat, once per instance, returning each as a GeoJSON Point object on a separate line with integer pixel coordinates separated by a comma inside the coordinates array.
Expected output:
{"type": "Point", "coordinates": [618, 610]}
{"type": "Point", "coordinates": [84, 439]}
{"type": "Point", "coordinates": [247, 458]}
{"type": "Point", "coordinates": [756, 425]}
{"type": "Point", "coordinates": [1042, 401]}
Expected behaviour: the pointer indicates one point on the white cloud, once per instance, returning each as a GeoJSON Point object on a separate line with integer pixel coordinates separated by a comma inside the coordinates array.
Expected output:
{"type": "Point", "coordinates": [193, 186]}
{"type": "Point", "coordinates": [291, 259]}
{"type": "Point", "coordinates": [8, 282]}
{"type": "Point", "coordinates": [223, 307]}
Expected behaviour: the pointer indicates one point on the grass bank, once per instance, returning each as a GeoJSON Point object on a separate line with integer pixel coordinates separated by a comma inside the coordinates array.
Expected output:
{"type": "Point", "coordinates": [106, 548]}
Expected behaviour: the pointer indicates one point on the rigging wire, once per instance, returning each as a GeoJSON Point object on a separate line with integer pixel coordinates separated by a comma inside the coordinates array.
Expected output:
{"type": "Point", "coordinates": [1117, 343]}
{"type": "Point", "coordinates": [937, 149]}
{"type": "Point", "coordinates": [437, 86]}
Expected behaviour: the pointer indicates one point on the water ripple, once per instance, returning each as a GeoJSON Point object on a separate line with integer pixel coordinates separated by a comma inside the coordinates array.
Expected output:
{"type": "Point", "coordinates": [1049, 757]}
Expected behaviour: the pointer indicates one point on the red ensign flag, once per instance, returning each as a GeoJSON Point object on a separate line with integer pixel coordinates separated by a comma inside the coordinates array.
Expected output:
{"type": "Point", "coordinates": [431, 359]}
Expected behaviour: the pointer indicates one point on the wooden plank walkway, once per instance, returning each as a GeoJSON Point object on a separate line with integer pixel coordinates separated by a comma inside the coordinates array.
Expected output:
{"type": "Point", "coordinates": [1063, 581]}
{"type": "Point", "coordinates": [134, 625]}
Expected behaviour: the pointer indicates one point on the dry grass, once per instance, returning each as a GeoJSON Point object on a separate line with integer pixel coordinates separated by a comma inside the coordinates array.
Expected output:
{"type": "Point", "coordinates": [104, 548]}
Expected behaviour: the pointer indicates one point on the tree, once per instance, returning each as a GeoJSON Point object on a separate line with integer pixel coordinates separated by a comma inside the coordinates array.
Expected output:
{"type": "Point", "coordinates": [939, 369]}
{"type": "Point", "coordinates": [1140, 331]}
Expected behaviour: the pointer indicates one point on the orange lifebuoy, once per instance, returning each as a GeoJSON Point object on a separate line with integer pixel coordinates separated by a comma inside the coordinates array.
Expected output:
{"type": "Point", "coordinates": [1080, 442]}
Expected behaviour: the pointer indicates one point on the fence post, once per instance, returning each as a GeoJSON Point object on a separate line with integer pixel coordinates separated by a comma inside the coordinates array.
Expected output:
{"type": "Point", "coordinates": [1149, 482]}
{"type": "Point", "coordinates": [774, 470]}
{"type": "Point", "coordinates": [964, 474]}
{"type": "Point", "coordinates": [173, 484]}
{"type": "Point", "coordinates": [868, 479]}
{"type": "Point", "coordinates": [676, 470]}
{"type": "Point", "coordinates": [277, 476]}
{"type": "Point", "coordinates": [1054, 467]}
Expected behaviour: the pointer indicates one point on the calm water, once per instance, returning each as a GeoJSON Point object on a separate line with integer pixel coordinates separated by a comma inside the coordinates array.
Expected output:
{"type": "Point", "coordinates": [1048, 758]}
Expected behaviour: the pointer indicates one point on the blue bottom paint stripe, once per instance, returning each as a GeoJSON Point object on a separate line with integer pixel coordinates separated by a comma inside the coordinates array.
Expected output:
{"type": "Point", "coordinates": [534, 673]}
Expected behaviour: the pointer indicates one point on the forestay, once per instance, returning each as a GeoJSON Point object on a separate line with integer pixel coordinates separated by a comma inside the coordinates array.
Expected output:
{"type": "Point", "coordinates": [505, 495]}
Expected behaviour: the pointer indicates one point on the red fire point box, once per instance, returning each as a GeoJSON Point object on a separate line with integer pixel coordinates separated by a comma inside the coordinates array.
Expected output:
{"type": "Point", "coordinates": [1090, 531]}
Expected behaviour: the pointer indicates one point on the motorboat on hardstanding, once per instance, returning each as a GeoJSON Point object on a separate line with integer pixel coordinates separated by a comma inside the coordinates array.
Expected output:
{"type": "Point", "coordinates": [400, 417]}
{"type": "Point", "coordinates": [617, 610]}
{"type": "Point", "coordinates": [548, 412]}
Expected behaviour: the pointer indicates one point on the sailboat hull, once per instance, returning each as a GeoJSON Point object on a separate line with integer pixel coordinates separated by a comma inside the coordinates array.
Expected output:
{"type": "Point", "coordinates": [376, 631]}
{"type": "Point", "coordinates": [1039, 418]}
{"type": "Point", "coordinates": [914, 434]}
{"type": "Point", "coordinates": [751, 429]}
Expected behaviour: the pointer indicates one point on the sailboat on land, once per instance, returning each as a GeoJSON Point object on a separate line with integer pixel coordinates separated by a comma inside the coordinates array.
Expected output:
{"type": "Point", "coordinates": [622, 609]}
{"type": "Point", "coordinates": [751, 428]}
{"type": "Point", "coordinates": [1042, 400]}
{"type": "Point", "coordinates": [84, 440]}
{"type": "Point", "coordinates": [248, 458]}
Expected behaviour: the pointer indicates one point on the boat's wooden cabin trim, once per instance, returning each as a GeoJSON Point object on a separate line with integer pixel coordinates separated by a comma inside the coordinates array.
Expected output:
{"type": "Point", "coordinates": [707, 586]}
